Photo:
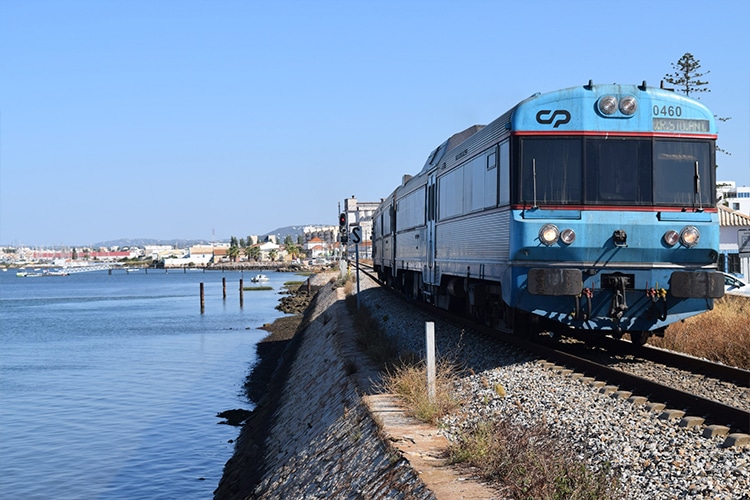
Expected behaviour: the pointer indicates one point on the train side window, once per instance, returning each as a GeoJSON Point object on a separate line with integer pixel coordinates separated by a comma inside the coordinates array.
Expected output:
{"type": "Point", "coordinates": [504, 172]}
{"type": "Point", "coordinates": [474, 171]}
{"type": "Point", "coordinates": [450, 194]}
{"type": "Point", "coordinates": [410, 210]}
{"type": "Point", "coordinates": [490, 181]}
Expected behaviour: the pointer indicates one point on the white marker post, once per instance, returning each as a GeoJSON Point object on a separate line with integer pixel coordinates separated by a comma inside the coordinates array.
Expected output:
{"type": "Point", "coordinates": [430, 341]}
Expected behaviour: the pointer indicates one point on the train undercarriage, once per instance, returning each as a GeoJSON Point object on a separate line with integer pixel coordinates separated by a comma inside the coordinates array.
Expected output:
{"type": "Point", "coordinates": [615, 311]}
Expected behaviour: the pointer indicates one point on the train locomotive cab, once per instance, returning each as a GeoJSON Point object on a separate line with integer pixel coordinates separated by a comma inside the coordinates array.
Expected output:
{"type": "Point", "coordinates": [615, 225]}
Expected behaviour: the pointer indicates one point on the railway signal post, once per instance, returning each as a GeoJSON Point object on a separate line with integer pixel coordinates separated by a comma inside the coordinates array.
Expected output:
{"type": "Point", "coordinates": [356, 238]}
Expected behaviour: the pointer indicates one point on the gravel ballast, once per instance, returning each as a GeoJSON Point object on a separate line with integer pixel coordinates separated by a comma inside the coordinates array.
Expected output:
{"type": "Point", "coordinates": [655, 457]}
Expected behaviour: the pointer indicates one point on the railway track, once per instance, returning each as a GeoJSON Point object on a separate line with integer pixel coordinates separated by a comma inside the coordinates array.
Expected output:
{"type": "Point", "coordinates": [692, 409]}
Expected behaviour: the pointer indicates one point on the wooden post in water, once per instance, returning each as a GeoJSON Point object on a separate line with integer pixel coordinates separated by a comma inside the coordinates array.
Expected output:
{"type": "Point", "coordinates": [224, 288]}
{"type": "Point", "coordinates": [242, 299]}
{"type": "Point", "coordinates": [203, 300]}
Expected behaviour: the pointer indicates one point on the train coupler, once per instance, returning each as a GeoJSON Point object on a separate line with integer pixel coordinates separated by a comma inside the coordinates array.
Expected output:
{"type": "Point", "coordinates": [619, 302]}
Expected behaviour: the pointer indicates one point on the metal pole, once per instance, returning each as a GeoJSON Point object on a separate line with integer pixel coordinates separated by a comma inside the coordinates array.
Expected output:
{"type": "Point", "coordinates": [356, 257]}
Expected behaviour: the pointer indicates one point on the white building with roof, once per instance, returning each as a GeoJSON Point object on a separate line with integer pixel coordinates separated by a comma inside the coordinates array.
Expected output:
{"type": "Point", "coordinates": [731, 222]}
{"type": "Point", "coordinates": [736, 198]}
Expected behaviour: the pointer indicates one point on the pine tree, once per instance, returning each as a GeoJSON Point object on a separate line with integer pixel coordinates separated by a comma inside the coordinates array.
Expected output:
{"type": "Point", "coordinates": [686, 77]}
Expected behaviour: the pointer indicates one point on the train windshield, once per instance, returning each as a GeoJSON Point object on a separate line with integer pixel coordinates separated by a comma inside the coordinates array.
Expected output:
{"type": "Point", "coordinates": [614, 171]}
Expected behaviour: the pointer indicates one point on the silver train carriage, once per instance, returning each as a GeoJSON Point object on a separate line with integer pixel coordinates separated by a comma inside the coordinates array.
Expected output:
{"type": "Point", "coordinates": [588, 208]}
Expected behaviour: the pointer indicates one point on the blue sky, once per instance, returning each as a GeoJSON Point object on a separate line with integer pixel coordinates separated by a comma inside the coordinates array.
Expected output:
{"type": "Point", "coordinates": [185, 119]}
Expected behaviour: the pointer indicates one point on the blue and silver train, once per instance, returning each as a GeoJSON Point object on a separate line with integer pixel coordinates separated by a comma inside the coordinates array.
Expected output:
{"type": "Point", "coordinates": [590, 208]}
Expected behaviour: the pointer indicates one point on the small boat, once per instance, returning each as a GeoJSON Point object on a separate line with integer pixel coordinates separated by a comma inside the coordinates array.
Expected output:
{"type": "Point", "coordinates": [259, 277]}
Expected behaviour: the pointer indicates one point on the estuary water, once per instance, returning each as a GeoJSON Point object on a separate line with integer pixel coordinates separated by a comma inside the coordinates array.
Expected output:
{"type": "Point", "coordinates": [110, 384]}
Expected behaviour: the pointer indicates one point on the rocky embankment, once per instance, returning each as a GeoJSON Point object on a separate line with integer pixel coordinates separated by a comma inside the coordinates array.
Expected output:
{"type": "Point", "coordinates": [311, 436]}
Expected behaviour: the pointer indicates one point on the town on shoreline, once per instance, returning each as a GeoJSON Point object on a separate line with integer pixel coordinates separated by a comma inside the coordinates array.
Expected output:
{"type": "Point", "coordinates": [314, 246]}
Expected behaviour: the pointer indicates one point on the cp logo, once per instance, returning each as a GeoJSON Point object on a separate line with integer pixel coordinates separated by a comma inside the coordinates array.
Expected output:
{"type": "Point", "coordinates": [547, 116]}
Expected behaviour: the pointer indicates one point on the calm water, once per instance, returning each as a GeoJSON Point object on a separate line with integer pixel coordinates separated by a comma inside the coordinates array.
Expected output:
{"type": "Point", "coordinates": [110, 384]}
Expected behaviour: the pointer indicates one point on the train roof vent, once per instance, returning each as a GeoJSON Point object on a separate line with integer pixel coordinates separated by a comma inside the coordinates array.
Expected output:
{"type": "Point", "coordinates": [460, 137]}
{"type": "Point", "coordinates": [451, 143]}
{"type": "Point", "coordinates": [406, 178]}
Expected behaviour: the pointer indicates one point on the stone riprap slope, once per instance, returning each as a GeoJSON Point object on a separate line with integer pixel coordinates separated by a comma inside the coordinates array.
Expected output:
{"type": "Point", "coordinates": [311, 436]}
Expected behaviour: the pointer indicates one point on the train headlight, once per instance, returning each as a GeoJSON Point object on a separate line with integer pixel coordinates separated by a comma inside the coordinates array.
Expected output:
{"type": "Point", "coordinates": [568, 236]}
{"type": "Point", "coordinates": [549, 234]}
{"type": "Point", "coordinates": [608, 104]}
{"type": "Point", "coordinates": [689, 236]}
{"type": "Point", "coordinates": [628, 105]}
{"type": "Point", "coordinates": [671, 238]}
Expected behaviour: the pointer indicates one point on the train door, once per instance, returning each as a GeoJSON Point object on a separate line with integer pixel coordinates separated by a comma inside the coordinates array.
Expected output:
{"type": "Point", "coordinates": [429, 274]}
{"type": "Point", "coordinates": [392, 260]}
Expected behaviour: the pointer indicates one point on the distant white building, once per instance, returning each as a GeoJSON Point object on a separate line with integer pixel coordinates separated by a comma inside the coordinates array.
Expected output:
{"type": "Point", "coordinates": [328, 234]}
{"type": "Point", "coordinates": [359, 213]}
{"type": "Point", "coordinates": [731, 223]}
{"type": "Point", "coordinates": [266, 249]}
{"type": "Point", "coordinates": [733, 197]}
{"type": "Point", "coordinates": [316, 247]}
{"type": "Point", "coordinates": [156, 252]}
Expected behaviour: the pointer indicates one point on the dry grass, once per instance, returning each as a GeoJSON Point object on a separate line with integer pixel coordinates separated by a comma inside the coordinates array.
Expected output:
{"type": "Point", "coordinates": [523, 462]}
{"type": "Point", "coordinates": [722, 334]}
{"type": "Point", "coordinates": [409, 380]}
{"type": "Point", "coordinates": [528, 463]}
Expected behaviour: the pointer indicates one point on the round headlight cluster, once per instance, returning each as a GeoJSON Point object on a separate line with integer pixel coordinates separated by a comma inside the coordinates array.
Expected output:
{"type": "Point", "coordinates": [608, 105]}
{"type": "Point", "coordinates": [549, 235]}
{"type": "Point", "coordinates": [688, 237]}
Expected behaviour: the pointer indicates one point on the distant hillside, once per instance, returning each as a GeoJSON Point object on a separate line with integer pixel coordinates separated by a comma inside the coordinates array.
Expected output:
{"type": "Point", "coordinates": [280, 233]}
{"type": "Point", "coordinates": [142, 242]}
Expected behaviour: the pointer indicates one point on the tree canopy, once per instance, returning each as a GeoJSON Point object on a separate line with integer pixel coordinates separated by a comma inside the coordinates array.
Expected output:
{"type": "Point", "coordinates": [686, 77]}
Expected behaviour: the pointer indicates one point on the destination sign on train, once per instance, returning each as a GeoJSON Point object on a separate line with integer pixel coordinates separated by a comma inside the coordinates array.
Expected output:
{"type": "Point", "coordinates": [681, 125]}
